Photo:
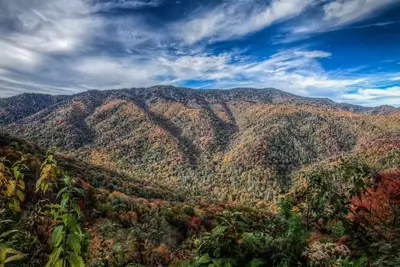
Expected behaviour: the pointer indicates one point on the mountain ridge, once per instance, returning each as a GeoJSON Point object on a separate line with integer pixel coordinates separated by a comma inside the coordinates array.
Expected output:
{"type": "Point", "coordinates": [180, 94]}
{"type": "Point", "coordinates": [236, 144]}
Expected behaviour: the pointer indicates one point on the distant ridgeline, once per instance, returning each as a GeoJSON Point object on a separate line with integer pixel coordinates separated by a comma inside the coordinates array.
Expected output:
{"type": "Point", "coordinates": [234, 145]}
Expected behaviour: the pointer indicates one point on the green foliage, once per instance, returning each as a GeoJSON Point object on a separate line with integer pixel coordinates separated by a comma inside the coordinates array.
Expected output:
{"type": "Point", "coordinates": [67, 237]}
{"type": "Point", "coordinates": [7, 253]}
{"type": "Point", "coordinates": [237, 242]}
{"type": "Point", "coordinates": [189, 211]}
{"type": "Point", "coordinates": [349, 262]}
{"type": "Point", "coordinates": [331, 190]}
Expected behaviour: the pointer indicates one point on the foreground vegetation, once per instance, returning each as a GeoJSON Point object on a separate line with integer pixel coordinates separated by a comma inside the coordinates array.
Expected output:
{"type": "Point", "coordinates": [54, 213]}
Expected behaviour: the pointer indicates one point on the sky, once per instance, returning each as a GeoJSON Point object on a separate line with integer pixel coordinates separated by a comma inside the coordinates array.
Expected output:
{"type": "Point", "coordinates": [346, 50]}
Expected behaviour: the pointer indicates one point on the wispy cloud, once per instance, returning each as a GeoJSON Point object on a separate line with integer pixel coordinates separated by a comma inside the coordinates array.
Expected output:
{"type": "Point", "coordinates": [372, 97]}
{"type": "Point", "coordinates": [379, 24]}
{"type": "Point", "coordinates": [100, 5]}
{"type": "Point", "coordinates": [339, 13]}
{"type": "Point", "coordinates": [237, 18]}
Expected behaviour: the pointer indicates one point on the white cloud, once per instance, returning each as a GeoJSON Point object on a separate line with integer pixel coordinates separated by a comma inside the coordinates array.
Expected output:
{"type": "Point", "coordinates": [378, 24]}
{"type": "Point", "coordinates": [236, 18]}
{"type": "Point", "coordinates": [295, 71]}
{"type": "Point", "coordinates": [51, 26]}
{"type": "Point", "coordinates": [339, 13]}
{"type": "Point", "coordinates": [373, 97]}
{"type": "Point", "coordinates": [12, 55]}
{"type": "Point", "coordinates": [124, 4]}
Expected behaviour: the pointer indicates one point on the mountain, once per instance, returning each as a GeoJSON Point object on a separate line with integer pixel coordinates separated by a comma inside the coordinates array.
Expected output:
{"type": "Point", "coordinates": [169, 176]}
{"type": "Point", "coordinates": [18, 107]}
{"type": "Point", "coordinates": [236, 144]}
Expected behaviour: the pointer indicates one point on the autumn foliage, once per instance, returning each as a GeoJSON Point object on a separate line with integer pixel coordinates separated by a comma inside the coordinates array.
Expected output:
{"type": "Point", "coordinates": [376, 204]}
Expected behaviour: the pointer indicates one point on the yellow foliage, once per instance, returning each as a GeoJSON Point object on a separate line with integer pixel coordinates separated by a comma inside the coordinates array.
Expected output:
{"type": "Point", "coordinates": [119, 195]}
{"type": "Point", "coordinates": [3, 176]}
{"type": "Point", "coordinates": [48, 177]}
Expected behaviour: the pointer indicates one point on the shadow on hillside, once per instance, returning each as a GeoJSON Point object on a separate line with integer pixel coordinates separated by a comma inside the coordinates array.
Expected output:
{"type": "Point", "coordinates": [186, 146]}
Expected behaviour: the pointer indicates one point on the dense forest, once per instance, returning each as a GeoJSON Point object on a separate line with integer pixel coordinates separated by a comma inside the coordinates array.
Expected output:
{"type": "Point", "coordinates": [178, 177]}
{"type": "Point", "coordinates": [235, 145]}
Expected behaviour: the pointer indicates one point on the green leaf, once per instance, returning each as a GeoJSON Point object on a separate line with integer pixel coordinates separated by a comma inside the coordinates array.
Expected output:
{"type": "Point", "coordinates": [79, 191]}
{"type": "Point", "coordinates": [57, 236]}
{"type": "Point", "coordinates": [54, 257]}
{"type": "Point", "coordinates": [17, 256]}
{"type": "Point", "coordinates": [5, 234]}
{"type": "Point", "coordinates": [20, 195]}
{"type": "Point", "coordinates": [45, 187]}
{"type": "Point", "coordinates": [204, 259]}
{"type": "Point", "coordinates": [21, 184]}
{"type": "Point", "coordinates": [77, 209]}
{"type": "Point", "coordinates": [75, 260]}
{"type": "Point", "coordinates": [64, 203]}
{"type": "Point", "coordinates": [38, 183]}
{"type": "Point", "coordinates": [59, 263]}
{"type": "Point", "coordinates": [16, 173]}
{"type": "Point", "coordinates": [70, 221]}
{"type": "Point", "coordinates": [11, 188]}
{"type": "Point", "coordinates": [256, 263]}
{"type": "Point", "coordinates": [219, 229]}
{"type": "Point", "coordinates": [62, 191]}
{"type": "Point", "coordinates": [15, 205]}
{"type": "Point", "coordinates": [74, 243]}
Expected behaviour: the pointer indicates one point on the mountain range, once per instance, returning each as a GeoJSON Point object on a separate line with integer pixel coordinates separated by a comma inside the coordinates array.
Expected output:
{"type": "Point", "coordinates": [234, 145]}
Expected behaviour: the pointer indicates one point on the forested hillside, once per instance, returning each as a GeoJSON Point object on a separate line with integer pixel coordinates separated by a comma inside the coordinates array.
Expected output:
{"type": "Point", "coordinates": [60, 211]}
{"type": "Point", "coordinates": [233, 145]}
{"type": "Point", "coordinates": [169, 176]}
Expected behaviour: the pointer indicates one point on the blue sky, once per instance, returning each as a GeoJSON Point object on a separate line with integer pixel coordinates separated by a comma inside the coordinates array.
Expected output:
{"type": "Point", "coordinates": [346, 50]}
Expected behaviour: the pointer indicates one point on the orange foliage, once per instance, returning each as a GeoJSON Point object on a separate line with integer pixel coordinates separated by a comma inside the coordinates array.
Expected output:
{"type": "Point", "coordinates": [376, 204]}
{"type": "Point", "coordinates": [102, 158]}
{"type": "Point", "coordinates": [99, 246]}
{"type": "Point", "coordinates": [315, 236]}
{"type": "Point", "coordinates": [343, 240]}
{"type": "Point", "coordinates": [119, 195]}
{"type": "Point", "coordinates": [162, 250]}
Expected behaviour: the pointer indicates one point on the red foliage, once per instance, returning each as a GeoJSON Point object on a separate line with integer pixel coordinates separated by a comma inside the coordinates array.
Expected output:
{"type": "Point", "coordinates": [112, 215]}
{"type": "Point", "coordinates": [180, 159]}
{"type": "Point", "coordinates": [196, 220]}
{"type": "Point", "coordinates": [59, 120]}
{"type": "Point", "coordinates": [81, 204]}
{"type": "Point", "coordinates": [343, 240]}
{"type": "Point", "coordinates": [83, 184]}
{"type": "Point", "coordinates": [376, 204]}
{"type": "Point", "coordinates": [194, 223]}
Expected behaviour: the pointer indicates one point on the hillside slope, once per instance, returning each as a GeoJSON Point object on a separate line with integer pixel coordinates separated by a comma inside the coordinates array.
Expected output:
{"type": "Point", "coordinates": [234, 144]}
